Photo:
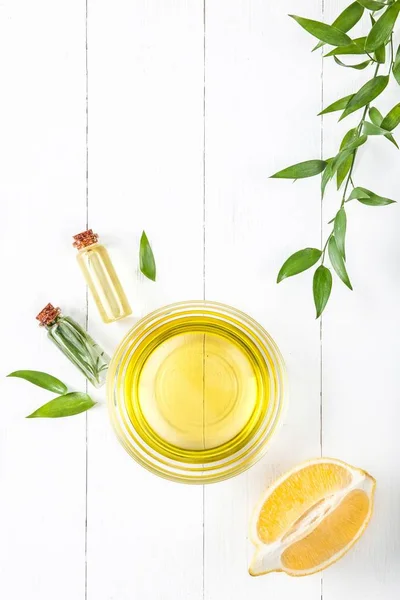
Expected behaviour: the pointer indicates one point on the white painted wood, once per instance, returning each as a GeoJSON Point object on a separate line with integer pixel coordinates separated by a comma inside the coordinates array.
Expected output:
{"type": "Point", "coordinates": [145, 172]}
{"type": "Point", "coordinates": [260, 107]}
{"type": "Point", "coordinates": [147, 538]}
{"type": "Point", "coordinates": [361, 331]}
{"type": "Point", "coordinates": [42, 203]}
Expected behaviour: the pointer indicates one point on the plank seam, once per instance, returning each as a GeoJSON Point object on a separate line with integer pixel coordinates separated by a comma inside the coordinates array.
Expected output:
{"type": "Point", "coordinates": [321, 318]}
{"type": "Point", "coordinates": [86, 287]}
{"type": "Point", "coordinates": [204, 263]}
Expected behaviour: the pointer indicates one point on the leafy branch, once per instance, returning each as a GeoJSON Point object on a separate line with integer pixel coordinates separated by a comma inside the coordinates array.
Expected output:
{"type": "Point", "coordinates": [378, 52]}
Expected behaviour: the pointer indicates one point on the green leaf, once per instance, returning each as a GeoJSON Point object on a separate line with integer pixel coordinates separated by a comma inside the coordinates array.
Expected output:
{"type": "Point", "coordinates": [358, 193]}
{"type": "Point", "coordinates": [376, 201]}
{"type": "Point", "coordinates": [326, 176]}
{"type": "Point", "coordinates": [337, 262]}
{"type": "Point", "coordinates": [359, 141]}
{"type": "Point", "coordinates": [371, 4]}
{"type": "Point", "coordinates": [356, 47]}
{"type": "Point", "coordinates": [396, 66]}
{"type": "Point", "coordinates": [396, 71]}
{"type": "Point", "coordinates": [345, 166]}
{"type": "Point", "coordinates": [146, 258]}
{"type": "Point", "coordinates": [299, 261]}
{"type": "Point", "coordinates": [338, 105]}
{"type": "Point", "coordinates": [366, 94]}
{"type": "Point", "coordinates": [322, 31]}
{"type": "Point", "coordinates": [64, 406]}
{"type": "Point", "coordinates": [380, 54]}
{"type": "Point", "coordinates": [322, 286]}
{"type": "Point", "coordinates": [371, 129]}
{"type": "Point", "coordinates": [342, 167]}
{"type": "Point", "coordinates": [343, 170]}
{"type": "Point", "coordinates": [390, 137]}
{"type": "Point", "coordinates": [392, 119]}
{"type": "Point", "coordinates": [358, 66]}
{"type": "Point", "coordinates": [382, 28]}
{"type": "Point", "coordinates": [349, 17]}
{"type": "Point", "coordinates": [375, 116]}
{"type": "Point", "coordinates": [346, 20]}
{"type": "Point", "coordinates": [349, 137]}
{"type": "Point", "coordinates": [340, 163]}
{"type": "Point", "coordinates": [347, 151]}
{"type": "Point", "coordinates": [308, 168]}
{"type": "Point", "coordinates": [373, 199]}
{"type": "Point", "coordinates": [43, 380]}
{"type": "Point", "coordinates": [339, 230]}
{"type": "Point", "coordinates": [353, 144]}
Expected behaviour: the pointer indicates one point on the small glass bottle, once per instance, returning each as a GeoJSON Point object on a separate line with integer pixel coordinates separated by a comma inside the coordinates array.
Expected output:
{"type": "Point", "coordinates": [101, 277]}
{"type": "Point", "coordinates": [76, 344]}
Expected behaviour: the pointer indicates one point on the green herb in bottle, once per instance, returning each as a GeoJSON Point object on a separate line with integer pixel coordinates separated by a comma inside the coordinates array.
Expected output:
{"type": "Point", "coordinates": [76, 344]}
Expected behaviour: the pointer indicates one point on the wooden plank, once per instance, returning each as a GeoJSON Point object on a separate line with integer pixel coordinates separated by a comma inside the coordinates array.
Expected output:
{"type": "Point", "coordinates": [261, 102]}
{"type": "Point", "coordinates": [361, 345]}
{"type": "Point", "coordinates": [145, 172]}
{"type": "Point", "coordinates": [42, 190]}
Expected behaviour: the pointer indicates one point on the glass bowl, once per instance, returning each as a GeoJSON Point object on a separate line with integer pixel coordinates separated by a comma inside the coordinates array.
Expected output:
{"type": "Point", "coordinates": [195, 391]}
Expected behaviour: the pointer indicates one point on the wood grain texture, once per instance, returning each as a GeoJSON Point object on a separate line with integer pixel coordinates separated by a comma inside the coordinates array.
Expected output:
{"type": "Point", "coordinates": [254, 127]}
{"type": "Point", "coordinates": [42, 190]}
{"type": "Point", "coordinates": [145, 172]}
{"type": "Point", "coordinates": [361, 329]}
{"type": "Point", "coordinates": [191, 106]}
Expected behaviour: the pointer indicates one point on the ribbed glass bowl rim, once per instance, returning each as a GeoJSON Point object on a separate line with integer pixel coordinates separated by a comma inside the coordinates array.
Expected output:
{"type": "Point", "coordinates": [181, 471]}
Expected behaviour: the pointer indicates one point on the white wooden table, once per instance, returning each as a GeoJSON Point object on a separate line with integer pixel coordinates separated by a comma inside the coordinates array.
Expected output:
{"type": "Point", "coordinates": [169, 116]}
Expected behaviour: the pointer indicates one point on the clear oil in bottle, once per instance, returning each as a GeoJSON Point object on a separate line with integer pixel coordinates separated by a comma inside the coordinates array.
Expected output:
{"type": "Point", "coordinates": [101, 277]}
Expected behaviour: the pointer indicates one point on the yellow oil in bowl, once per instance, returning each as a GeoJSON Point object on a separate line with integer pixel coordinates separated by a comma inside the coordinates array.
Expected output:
{"type": "Point", "coordinates": [195, 391]}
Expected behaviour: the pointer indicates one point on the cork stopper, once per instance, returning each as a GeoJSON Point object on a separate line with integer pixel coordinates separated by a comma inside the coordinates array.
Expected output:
{"type": "Point", "coordinates": [48, 315]}
{"type": "Point", "coordinates": [86, 238]}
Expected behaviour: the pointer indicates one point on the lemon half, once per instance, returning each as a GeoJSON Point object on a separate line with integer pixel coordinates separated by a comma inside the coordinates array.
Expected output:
{"type": "Point", "coordinates": [310, 517]}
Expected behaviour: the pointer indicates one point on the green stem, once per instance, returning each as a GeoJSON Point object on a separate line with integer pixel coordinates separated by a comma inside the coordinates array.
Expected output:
{"type": "Point", "coordinates": [325, 247]}
{"type": "Point", "coordinates": [391, 63]}
{"type": "Point", "coordinates": [349, 178]}
{"type": "Point", "coordinates": [359, 130]}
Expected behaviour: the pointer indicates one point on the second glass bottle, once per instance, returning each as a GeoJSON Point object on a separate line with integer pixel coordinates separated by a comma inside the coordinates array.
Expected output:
{"type": "Point", "coordinates": [100, 275]}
